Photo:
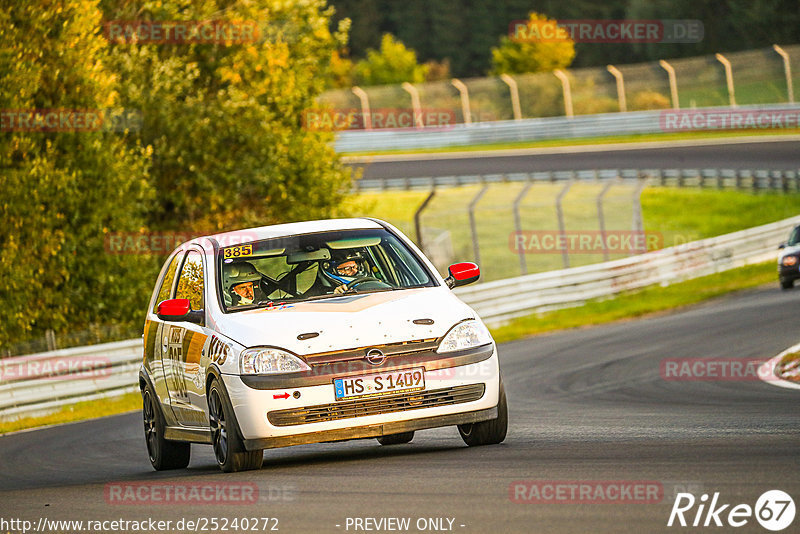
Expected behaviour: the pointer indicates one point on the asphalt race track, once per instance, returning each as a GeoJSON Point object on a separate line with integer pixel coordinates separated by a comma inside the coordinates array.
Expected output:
{"type": "Point", "coordinates": [585, 405]}
{"type": "Point", "coordinates": [730, 155]}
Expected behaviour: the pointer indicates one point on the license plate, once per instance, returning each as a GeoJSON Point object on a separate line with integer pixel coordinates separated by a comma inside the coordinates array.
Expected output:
{"type": "Point", "coordinates": [378, 384]}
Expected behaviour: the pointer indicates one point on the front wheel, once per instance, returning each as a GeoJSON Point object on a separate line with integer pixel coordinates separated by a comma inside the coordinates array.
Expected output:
{"type": "Point", "coordinates": [488, 432]}
{"type": "Point", "coordinates": [164, 454]}
{"type": "Point", "coordinates": [229, 450]}
{"type": "Point", "coordinates": [787, 284]}
{"type": "Point", "coordinates": [396, 439]}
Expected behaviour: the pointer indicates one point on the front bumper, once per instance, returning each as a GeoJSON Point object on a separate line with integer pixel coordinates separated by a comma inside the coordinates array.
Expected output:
{"type": "Point", "coordinates": [460, 388]}
{"type": "Point", "coordinates": [788, 273]}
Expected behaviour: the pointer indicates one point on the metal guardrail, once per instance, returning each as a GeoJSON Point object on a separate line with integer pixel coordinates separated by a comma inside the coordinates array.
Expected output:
{"type": "Point", "coordinates": [746, 179]}
{"type": "Point", "coordinates": [40, 383]}
{"type": "Point", "coordinates": [37, 384]}
{"type": "Point", "coordinates": [502, 300]}
{"type": "Point", "coordinates": [628, 123]}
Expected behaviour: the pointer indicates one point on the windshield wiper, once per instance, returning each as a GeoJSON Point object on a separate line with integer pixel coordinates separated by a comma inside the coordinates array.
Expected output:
{"type": "Point", "coordinates": [318, 297]}
{"type": "Point", "coordinates": [353, 290]}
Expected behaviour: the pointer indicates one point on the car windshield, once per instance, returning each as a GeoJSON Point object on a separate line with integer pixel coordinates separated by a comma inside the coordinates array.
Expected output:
{"type": "Point", "coordinates": [794, 238]}
{"type": "Point", "coordinates": [316, 266]}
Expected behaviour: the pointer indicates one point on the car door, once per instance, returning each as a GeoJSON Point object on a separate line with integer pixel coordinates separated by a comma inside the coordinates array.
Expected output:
{"type": "Point", "coordinates": [154, 328]}
{"type": "Point", "coordinates": [182, 347]}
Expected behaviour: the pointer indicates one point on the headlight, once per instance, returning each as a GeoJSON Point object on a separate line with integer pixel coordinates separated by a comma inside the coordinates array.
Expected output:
{"type": "Point", "coordinates": [269, 361]}
{"type": "Point", "coordinates": [788, 261]}
{"type": "Point", "coordinates": [464, 336]}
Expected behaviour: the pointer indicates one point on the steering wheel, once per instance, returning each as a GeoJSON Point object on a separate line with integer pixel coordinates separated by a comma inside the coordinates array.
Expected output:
{"type": "Point", "coordinates": [353, 283]}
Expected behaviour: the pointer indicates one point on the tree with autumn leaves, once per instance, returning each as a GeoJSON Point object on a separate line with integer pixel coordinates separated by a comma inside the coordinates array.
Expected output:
{"type": "Point", "coordinates": [218, 144]}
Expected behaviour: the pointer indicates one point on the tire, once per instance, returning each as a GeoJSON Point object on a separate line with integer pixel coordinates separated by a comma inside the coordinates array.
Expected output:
{"type": "Point", "coordinates": [488, 432]}
{"type": "Point", "coordinates": [164, 454]}
{"type": "Point", "coordinates": [229, 450]}
{"type": "Point", "coordinates": [396, 439]}
{"type": "Point", "coordinates": [787, 284]}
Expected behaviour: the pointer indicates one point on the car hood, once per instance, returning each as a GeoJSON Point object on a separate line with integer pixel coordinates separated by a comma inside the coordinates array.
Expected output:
{"type": "Point", "coordinates": [350, 321]}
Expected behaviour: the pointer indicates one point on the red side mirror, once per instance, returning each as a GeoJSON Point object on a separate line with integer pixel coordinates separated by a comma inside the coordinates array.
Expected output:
{"type": "Point", "coordinates": [462, 274]}
{"type": "Point", "coordinates": [174, 310]}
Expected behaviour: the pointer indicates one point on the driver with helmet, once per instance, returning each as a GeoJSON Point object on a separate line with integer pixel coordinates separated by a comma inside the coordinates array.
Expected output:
{"type": "Point", "coordinates": [346, 268]}
{"type": "Point", "coordinates": [240, 283]}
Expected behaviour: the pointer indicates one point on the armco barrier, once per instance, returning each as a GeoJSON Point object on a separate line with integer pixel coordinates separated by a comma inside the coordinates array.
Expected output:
{"type": "Point", "coordinates": [785, 180]}
{"type": "Point", "coordinates": [501, 300]}
{"type": "Point", "coordinates": [34, 384]}
{"type": "Point", "coordinates": [41, 389]}
{"type": "Point", "coordinates": [630, 123]}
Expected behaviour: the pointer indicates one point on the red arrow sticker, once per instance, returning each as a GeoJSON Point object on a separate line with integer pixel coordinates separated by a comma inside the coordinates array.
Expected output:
{"type": "Point", "coordinates": [281, 396]}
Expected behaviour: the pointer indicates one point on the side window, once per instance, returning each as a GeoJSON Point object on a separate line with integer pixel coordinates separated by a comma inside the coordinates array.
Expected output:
{"type": "Point", "coordinates": [166, 284]}
{"type": "Point", "coordinates": [191, 283]}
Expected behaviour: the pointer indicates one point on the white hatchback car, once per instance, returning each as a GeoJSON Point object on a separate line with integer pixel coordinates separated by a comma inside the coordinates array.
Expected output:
{"type": "Point", "coordinates": [310, 332]}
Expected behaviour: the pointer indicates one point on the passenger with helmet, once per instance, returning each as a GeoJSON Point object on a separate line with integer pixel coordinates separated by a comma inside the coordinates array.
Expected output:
{"type": "Point", "coordinates": [240, 283]}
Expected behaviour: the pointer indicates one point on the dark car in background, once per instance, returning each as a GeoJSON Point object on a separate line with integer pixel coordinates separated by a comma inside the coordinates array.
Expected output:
{"type": "Point", "coordinates": [789, 260]}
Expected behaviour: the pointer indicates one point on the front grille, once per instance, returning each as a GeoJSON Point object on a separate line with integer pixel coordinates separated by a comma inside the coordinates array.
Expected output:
{"type": "Point", "coordinates": [363, 407]}
{"type": "Point", "coordinates": [390, 350]}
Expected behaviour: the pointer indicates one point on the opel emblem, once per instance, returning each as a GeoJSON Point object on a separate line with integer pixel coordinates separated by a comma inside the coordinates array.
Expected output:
{"type": "Point", "coordinates": [375, 357]}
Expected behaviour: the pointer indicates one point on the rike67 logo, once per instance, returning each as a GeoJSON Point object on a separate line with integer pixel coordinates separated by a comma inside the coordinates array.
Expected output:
{"type": "Point", "coordinates": [774, 510]}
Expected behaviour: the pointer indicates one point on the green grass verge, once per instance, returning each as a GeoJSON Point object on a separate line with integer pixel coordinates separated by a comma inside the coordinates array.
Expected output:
{"type": "Point", "coordinates": [638, 303]}
{"type": "Point", "coordinates": [581, 141]}
{"type": "Point", "coordinates": [78, 412]}
{"type": "Point", "coordinates": [708, 213]}
{"type": "Point", "coordinates": [700, 213]}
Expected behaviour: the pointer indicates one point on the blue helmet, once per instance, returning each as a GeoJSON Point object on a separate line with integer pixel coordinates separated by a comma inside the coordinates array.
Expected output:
{"type": "Point", "coordinates": [346, 266]}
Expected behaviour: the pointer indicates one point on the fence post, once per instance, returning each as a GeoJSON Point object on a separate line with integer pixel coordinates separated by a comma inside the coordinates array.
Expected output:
{"type": "Point", "coordinates": [615, 72]}
{"type": "Point", "coordinates": [567, 92]}
{"type": "Point", "coordinates": [50, 337]}
{"type": "Point", "coordinates": [464, 92]}
{"type": "Point", "coordinates": [673, 83]}
{"type": "Point", "coordinates": [562, 231]}
{"type": "Point", "coordinates": [415, 104]}
{"type": "Point", "coordinates": [787, 69]}
{"type": "Point", "coordinates": [514, 90]}
{"type": "Point", "coordinates": [418, 216]}
{"type": "Point", "coordinates": [365, 111]}
{"type": "Point", "coordinates": [638, 222]}
{"type": "Point", "coordinates": [472, 225]}
{"type": "Point", "coordinates": [601, 218]}
{"type": "Point", "coordinates": [523, 266]}
{"type": "Point", "coordinates": [728, 78]}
